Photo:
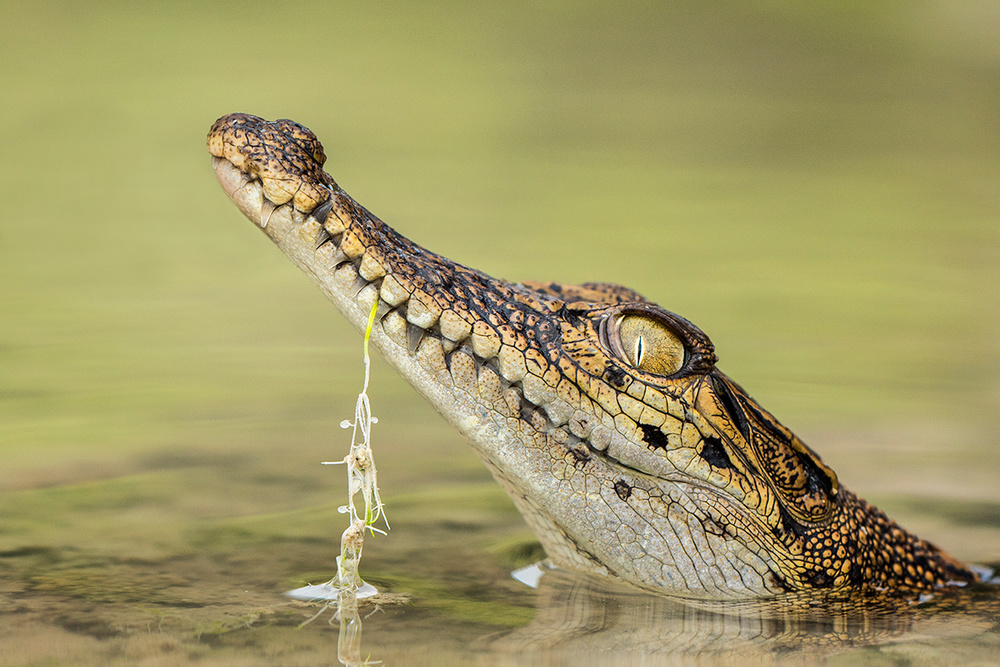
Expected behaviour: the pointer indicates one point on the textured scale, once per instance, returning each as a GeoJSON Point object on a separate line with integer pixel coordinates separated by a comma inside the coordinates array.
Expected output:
{"type": "Point", "coordinates": [677, 482]}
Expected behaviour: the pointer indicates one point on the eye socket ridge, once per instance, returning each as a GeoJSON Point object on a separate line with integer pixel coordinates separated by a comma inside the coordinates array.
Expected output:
{"type": "Point", "coordinates": [655, 341]}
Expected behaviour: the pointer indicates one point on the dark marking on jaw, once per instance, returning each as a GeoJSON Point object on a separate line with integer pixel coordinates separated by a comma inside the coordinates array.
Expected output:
{"type": "Point", "coordinates": [654, 437]}
{"type": "Point", "coordinates": [533, 416]}
{"type": "Point", "coordinates": [775, 580]}
{"type": "Point", "coordinates": [713, 451]}
{"type": "Point", "coordinates": [623, 490]}
{"type": "Point", "coordinates": [572, 316]}
{"type": "Point", "coordinates": [581, 455]}
{"type": "Point", "coordinates": [616, 377]}
{"type": "Point", "coordinates": [713, 527]}
{"type": "Point", "coordinates": [447, 282]}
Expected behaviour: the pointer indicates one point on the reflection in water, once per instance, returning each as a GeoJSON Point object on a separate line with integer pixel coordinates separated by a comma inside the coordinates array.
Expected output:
{"type": "Point", "coordinates": [57, 610]}
{"type": "Point", "coordinates": [580, 617]}
{"type": "Point", "coordinates": [345, 613]}
{"type": "Point", "coordinates": [582, 620]}
{"type": "Point", "coordinates": [349, 639]}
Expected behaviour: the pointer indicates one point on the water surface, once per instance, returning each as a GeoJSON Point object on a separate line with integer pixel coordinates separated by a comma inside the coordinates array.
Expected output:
{"type": "Point", "coordinates": [814, 186]}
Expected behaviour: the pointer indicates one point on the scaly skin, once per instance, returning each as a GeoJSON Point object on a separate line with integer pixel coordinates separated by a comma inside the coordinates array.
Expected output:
{"type": "Point", "coordinates": [602, 415]}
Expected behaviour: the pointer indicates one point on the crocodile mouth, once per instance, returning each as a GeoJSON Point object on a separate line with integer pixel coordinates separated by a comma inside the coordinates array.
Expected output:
{"type": "Point", "coordinates": [415, 332]}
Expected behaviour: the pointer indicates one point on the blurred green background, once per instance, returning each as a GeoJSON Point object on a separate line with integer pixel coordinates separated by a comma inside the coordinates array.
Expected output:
{"type": "Point", "coordinates": [814, 184]}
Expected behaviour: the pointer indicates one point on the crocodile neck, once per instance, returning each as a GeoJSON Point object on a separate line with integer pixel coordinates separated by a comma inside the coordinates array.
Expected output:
{"type": "Point", "coordinates": [603, 415]}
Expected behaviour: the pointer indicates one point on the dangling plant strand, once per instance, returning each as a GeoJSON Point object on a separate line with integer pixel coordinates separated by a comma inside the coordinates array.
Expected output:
{"type": "Point", "coordinates": [347, 586]}
{"type": "Point", "coordinates": [361, 476]}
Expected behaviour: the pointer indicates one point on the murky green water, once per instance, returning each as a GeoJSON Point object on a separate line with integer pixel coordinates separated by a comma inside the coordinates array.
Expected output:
{"type": "Point", "coordinates": [815, 185]}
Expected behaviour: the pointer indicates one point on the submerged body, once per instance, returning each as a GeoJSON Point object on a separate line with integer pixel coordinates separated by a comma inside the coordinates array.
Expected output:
{"type": "Point", "coordinates": [603, 415]}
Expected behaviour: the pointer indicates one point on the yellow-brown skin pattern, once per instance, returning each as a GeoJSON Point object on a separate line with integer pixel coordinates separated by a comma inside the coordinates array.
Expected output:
{"type": "Point", "coordinates": [550, 359]}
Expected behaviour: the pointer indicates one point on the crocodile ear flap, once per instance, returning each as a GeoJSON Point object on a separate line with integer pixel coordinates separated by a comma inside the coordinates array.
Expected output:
{"type": "Point", "coordinates": [806, 486]}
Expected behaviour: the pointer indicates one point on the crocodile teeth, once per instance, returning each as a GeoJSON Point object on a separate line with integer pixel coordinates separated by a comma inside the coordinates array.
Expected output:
{"type": "Point", "coordinates": [338, 258]}
{"type": "Point", "coordinates": [322, 237]}
{"type": "Point", "coordinates": [414, 335]}
{"type": "Point", "coordinates": [383, 310]}
{"type": "Point", "coordinates": [322, 212]}
{"type": "Point", "coordinates": [266, 209]}
{"type": "Point", "coordinates": [359, 284]}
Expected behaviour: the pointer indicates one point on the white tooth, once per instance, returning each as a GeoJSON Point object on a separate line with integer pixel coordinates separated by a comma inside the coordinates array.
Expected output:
{"type": "Point", "coordinates": [266, 209]}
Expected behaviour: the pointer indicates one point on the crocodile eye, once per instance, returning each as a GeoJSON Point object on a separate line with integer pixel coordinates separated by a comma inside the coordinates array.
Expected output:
{"type": "Point", "coordinates": [649, 345]}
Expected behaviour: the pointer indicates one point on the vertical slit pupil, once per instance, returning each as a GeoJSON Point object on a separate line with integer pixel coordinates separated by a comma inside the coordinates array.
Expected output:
{"type": "Point", "coordinates": [638, 351]}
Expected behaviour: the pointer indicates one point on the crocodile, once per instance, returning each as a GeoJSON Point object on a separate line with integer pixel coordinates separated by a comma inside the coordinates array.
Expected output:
{"type": "Point", "coordinates": [603, 416]}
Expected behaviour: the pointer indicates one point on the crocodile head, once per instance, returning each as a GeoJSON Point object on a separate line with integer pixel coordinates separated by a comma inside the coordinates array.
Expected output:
{"type": "Point", "coordinates": [602, 414]}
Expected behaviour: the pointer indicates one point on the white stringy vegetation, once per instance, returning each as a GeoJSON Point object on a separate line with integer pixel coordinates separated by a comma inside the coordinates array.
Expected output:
{"type": "Point", "coordinates": [347, 586]}
{"type": "Point", "coordinates": [361, 477]}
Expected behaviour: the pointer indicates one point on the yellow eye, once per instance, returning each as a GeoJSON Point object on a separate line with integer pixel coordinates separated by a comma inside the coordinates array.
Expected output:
{"type": "Point", "coordinates": [649, 345]}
